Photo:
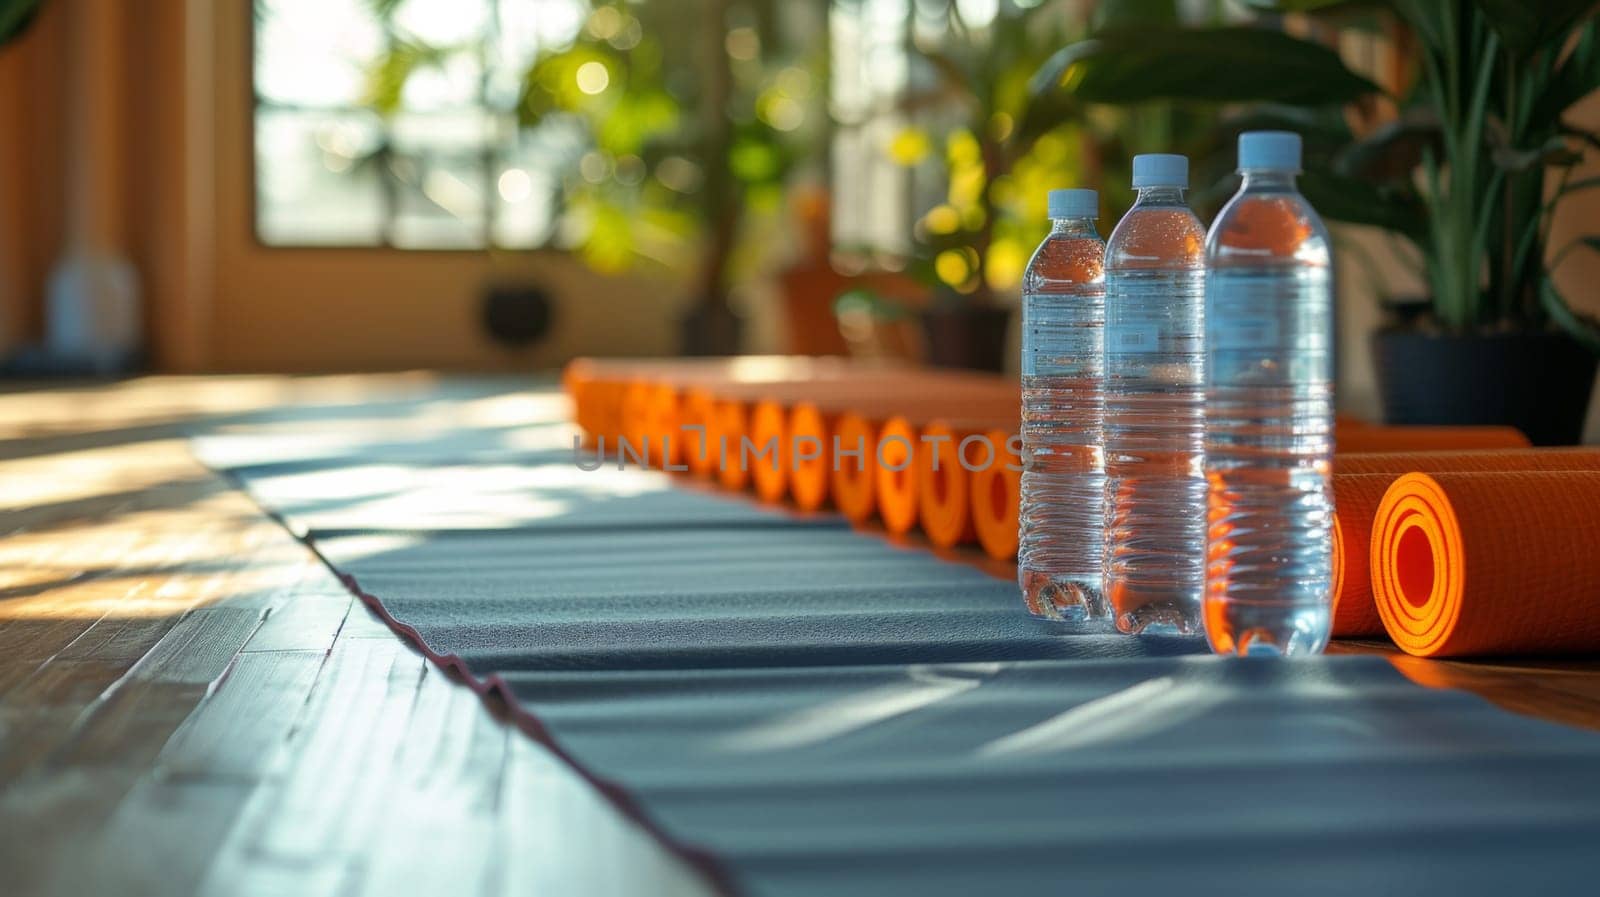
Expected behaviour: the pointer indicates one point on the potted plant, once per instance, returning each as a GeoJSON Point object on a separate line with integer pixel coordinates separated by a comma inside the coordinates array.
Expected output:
{"type": "Point", "coordinates": [997, 156]}
{"type": "Point", "coordinates": [1461, 170]}
{"type": "Point", "coordinates": [1003, 148]}
{"type": "Point", "coordinates": [678, 132]}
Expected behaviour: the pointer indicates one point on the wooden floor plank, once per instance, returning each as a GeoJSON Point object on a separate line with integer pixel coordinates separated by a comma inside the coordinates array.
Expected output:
{"type": "Point", "coordinates": [309, 622]}
{"type": "Point", "coordinates": [309, 831]}
{"type": "Point", "coordinates": [199, 649]}
{"type": "Point", "coordinates": [442, 797]}
{"type": "Point", "coordinates": [239, 731]}
{"type": "Point", "coordinates": [159, 841]}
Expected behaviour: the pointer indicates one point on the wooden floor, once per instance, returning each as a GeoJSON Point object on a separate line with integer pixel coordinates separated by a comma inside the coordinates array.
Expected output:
{"type": "Point", "coordinates": [191, 703]}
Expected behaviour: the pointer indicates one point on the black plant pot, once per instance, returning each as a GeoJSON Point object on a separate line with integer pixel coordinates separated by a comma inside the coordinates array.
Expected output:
{"type": "Point", "coordinates": [1536, 381]}
{"type": "Point", "coordinates": [517, 315]}
{"type": "Point", "coordinates": [710, 329]}
{"type": "Point", "coordinates": [971, 337]}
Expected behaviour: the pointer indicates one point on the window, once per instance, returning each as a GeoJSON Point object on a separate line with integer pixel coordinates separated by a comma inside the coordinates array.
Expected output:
{"type": "Point", "coordinates": [392, 123]}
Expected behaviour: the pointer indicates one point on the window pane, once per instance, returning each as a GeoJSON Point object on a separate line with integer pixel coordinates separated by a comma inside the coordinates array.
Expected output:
{"type": "Point", "coordinates": [314, 52]}
{"type": "Point", "coordinates": [316, 178]}
{"type": "Point", "coordinates": [394, 124]}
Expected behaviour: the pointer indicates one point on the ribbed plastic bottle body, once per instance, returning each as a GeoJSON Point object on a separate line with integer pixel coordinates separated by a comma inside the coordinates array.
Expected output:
{"type": "Point", "coordinates": [1269, 440]}
{"type": "Point", "coordinates": [1063, 318]}
{"type": "Point", "coordinates": [1155, 416]}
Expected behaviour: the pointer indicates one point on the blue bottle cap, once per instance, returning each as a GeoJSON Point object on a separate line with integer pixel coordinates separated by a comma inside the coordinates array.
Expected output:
{"type": "Point", "coordinates": [1075, 203]}
{"type": "Point", "coordinates": [1160, 170]}
{"type": "Point", "coordinates": [1271, 150]}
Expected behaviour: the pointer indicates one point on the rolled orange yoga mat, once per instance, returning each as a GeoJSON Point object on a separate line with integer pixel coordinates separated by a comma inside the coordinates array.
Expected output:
{"type": "Point", "coordinates": [662, 427]}
{"type": "Point", "coordinates": [769, 463]}
{"type": "Point", "coordinates": [852, 479]}
{"type": "Point", "coordinates": [812, 483]}
{"type": "Point", "coordinates": [995, 519]}
{"type": "Point", "coordinates": [1371, 438]}
{"type": "Point", "coordinates": [811, 432]}
{"type": "Point", "coordinates": [729, 422]}
{"type": "Point", "coordinates": [698, 408]}
{"type": "Point", "coordinates": [1359, 483]}
{"type": "Point", "coordinates": [766, 408]}
{"type": "Point", "coordinates": [1489, 563]}
{"type": "Point", "coordinates": [996, 497]}
{"type": "Point", "coordinates": [596, 385]}
{"type": "Point", "coordinates": [942, 486]}
{"type": "Point", "coordinates": [951, 454]}
{"type": "Point", "coordinates": [1397, 463]}
{"type": "Point", "coordinates": [788, 412]}
{"type": "Point", "coordinates": [894, 479]}
{"type": "Point", "coordinates": [635, 420]}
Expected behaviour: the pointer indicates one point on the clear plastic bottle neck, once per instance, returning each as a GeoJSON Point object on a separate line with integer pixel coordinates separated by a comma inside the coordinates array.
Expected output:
{"type": "Point", "coordinates": [1073, 227]}
{"type": "Point", "coordinates": [1268, 180]}
{"type": "Point", "coordinates": [1162, 195]}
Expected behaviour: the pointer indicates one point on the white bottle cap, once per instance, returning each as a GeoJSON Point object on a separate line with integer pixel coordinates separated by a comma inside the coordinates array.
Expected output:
{"type": "Point", "coordinates": [1271, 150]}
{"type": "Point", "coordinates": [1076, 203]}
{"type": "Point", "coordinates": [1160, 170]}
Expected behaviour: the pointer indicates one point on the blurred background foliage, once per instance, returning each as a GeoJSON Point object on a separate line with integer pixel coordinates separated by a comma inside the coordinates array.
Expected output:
{"type": "Point", "coordinates": [675, 127]}
{"type": "Point", "coordinates": [1452, 154]}
{"type": "Point", "coordinates": [679, 127]}
{"type": "Point", "coordinates": [685, 121]}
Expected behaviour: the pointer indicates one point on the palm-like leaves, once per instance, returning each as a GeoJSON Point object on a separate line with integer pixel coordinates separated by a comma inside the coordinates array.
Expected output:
{"type": "Point", "coordinates": [1480, 134]}
{"type": "Point", "coordinates": [15, 17]}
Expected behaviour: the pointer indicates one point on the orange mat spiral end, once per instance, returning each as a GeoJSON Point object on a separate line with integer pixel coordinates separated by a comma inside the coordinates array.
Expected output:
{"type": "Point", "coordinates": [810, 435]}
{"type": "Point", "coordinates": [635, 423]}
{"type": "Point", "coordinates": [769, 460]}
{"type": "Point", "coordinates": [944, 483]}
{"type": "Point", "coordinates": [697, 426]}
{"type": "Point", "coordinates": [1359, 483]}
{"type": "Point", "coordinates": [1489, 563]}
{"type": "Point", "coordinates": [996, 496]}
{"type": "Point", "coordinates": [895, 478]}
{"type": "Point", "coordinates": [666, 442]}
{"type": "Point", "coordinates": [731, 462]}
{"type": "Point", "coordinates": [852, 471]}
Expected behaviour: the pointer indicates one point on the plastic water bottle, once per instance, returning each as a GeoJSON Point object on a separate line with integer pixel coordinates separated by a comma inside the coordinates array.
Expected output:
{"type": "Point", "coordinates": [1155, 413]}
{"type": "Point", "coordinates": [1063, 484]}
{"type": "Point", "coordinates": [1269, 439]}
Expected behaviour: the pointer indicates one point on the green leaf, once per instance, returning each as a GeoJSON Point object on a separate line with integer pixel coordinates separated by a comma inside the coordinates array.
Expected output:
{"type": "Point", "coordinates": [1355, 201]}
{"type": "Point", "coordinates": [384, 10]}
{"type": "Point", "coordinates": [1219, 65]}
{"type": "Point", "coordinates": [1583, 328]}
{"type": "Point", "coordinates": [15, 17]}
{"type": "Point", "coordinates": [1393, 151]}
{"type": "Point", "coordinates": [386, 81]}
{"type": "Point", "coordinates": [1577, 76]}
{"type": "Point", "coordinates": [1527, 28]}
{"type": "Point", "coordinates": [1307, 5]}
{"type": "Point", "coordinates": [1576, 187]}
{"type": "Point", "coordinates": [1109, 14]}
{"type": "Point", "coordinates": [1043, 114]}
{"type": "Point", "coordinates": [1554, 151]}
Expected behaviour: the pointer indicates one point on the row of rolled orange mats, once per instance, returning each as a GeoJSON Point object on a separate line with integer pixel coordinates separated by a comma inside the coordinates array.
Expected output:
{"type": "Point", "coordinates": [1449, 540]}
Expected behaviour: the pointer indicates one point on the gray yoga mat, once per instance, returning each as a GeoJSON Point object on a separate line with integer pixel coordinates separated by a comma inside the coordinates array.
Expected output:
{"type": "Point", "coordinates": [802, 709]}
